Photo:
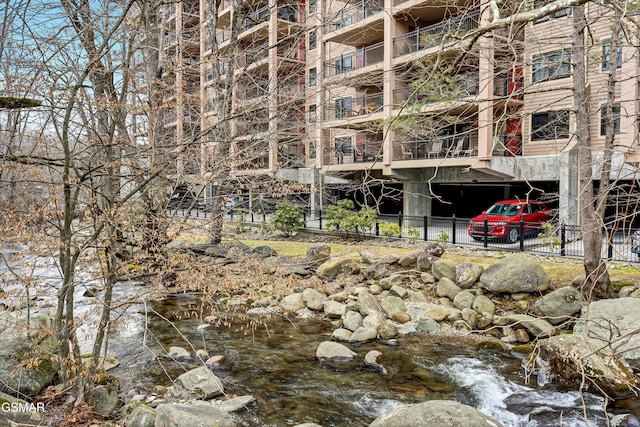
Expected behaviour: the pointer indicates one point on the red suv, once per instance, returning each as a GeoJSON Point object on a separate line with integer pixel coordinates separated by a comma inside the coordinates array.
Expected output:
{"type": "Point", "coordinates": [503, 220]}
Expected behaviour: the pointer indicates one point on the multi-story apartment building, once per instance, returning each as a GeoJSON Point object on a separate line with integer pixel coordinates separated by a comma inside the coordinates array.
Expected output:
{"type": "Point", "coordinates": [410, 92]}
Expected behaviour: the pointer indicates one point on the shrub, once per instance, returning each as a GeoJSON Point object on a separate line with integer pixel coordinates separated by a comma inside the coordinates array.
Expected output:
{"type": "Point", "coordinates": [345, 219]}
{"type": "Point", "coordinates": [443, 237]}
{"type": "Point", "coordinates": [413, 233]}
{"type": "Point", "coordinates": [390, 229]}
{"type": "Point", "coordinates": [549, 237]}
{"type": "Point", "coordinates": [287, 218]}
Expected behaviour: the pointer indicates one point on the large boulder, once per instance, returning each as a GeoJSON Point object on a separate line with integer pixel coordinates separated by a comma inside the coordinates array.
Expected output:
{"type": "Point", "coordinates": [468, 273]}
{"type": "Point", "coordinates": [444, 268]}
{"type": "Point", "coordinates": [515, 274]}
{"type": "Point", "coordinates": [332, 267]}
{"type": "Point", "coordinates": [615, 323]}
{"type": "Point", "coordinates": [559, 305]}
{"type": "Point", "coordinates": [31, 416]}
{"type": "Point", "coordinates": [317, 253]}
{"type": "Point", "coordinates": [198, 383]}
{"type": "Point", "coordinates": [334, 351]}
{"type": "Point", "coordinates": [536, 327]}
{"type": "Point", "coordinates": [293, 302]}
{"type": "Point", "coordinates": [28, 361]}
{"type": "Point", "coordinates": [434, 413]}
{"type": "Point", "coordinates": [577, 360]}
{"type": "Point", "coordinates": [314, 299]}
{"type": "Point", "coordinates": [192, 415]}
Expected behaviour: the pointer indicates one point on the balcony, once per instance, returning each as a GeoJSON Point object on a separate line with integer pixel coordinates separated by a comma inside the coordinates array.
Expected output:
{"type": "Point", "coordinates": [254, 18]}
{"type": "Point", "coordinates": [361, 58]}
{"type": "Point", "coordinates": [249, 127]}
{"type": "Point", "coordinates": [360, 152]}
{"type": "Point", "coordinates": [252, 56]}
{"type": "Point", "coordinates": [356, 13]}
{"type": "Point", "coordinates": [343, 108]}
{"type": "Point", "coordinates": [254, 91]}
{"type": "Point", "coordinates": [434, 35]}
{"type": "Point", "coordinates": [460, 145]}
{"type": "Point", "coordinates": [462, 86]}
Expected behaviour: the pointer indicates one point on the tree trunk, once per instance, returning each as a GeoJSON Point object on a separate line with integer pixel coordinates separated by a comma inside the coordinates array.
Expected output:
{"type": "Point", "coordinates": [597, 284]}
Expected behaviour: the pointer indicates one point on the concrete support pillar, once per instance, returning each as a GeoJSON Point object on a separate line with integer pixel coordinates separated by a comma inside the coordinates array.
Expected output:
{"type": "Point", "coordinates": [417, 199]}
{"type": "Point", "coordinates": [568, 189]}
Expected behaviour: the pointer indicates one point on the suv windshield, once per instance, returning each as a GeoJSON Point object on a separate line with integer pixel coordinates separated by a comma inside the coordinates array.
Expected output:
{"type": "Point", "coordinates": [504, 210]}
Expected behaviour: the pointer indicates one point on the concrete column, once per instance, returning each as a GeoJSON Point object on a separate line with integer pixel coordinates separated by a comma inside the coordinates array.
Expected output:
{"type": "Point", "coordinates": [568, 188]}
{"type": "Point", "coordinates": [417, 199]}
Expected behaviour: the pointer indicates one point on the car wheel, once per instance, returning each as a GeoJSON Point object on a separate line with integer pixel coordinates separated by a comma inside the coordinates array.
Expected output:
{"type": "Point", "coordinates": [512, 236]}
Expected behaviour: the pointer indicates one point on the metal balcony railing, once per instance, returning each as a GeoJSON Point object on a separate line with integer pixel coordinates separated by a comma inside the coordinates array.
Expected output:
{"type": "Point", "coordinates": [467, 85]}
{"type": "Point", "coordinates": [342, 108]}
{"type": "Point", "coordinates": [459, 145]}
{"type": "Point", "coordinates": [363, 57]}
{"type": "Point", "coordinates": [254, 18]}
{"type": "Point", "coordinates": [356, 13]}
{"type": "Point", "coordinates": [433, 35]}
{"type": "Point", "coordinates": [356, 152]}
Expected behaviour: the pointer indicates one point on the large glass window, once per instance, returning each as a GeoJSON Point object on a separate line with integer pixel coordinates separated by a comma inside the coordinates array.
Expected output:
{"type": "Point", "coordinates": [550, 125]}
{"type": "Point", "coordinates": [551, 65]}
{"type": "Point", "coordinates": [537, 4]}
{"type": "Point", "coordinates": [603, 118]}
{"type": "Point", "coordinates": [606, 55]}
{"type": "Point", "coordinates": [312, 113]}
{"type": "Point", "coordinates": [313, 76]}
{"type": "Point", "coordinates": [344, 107]}
{"type": "Point", "coordinates": [344, 64]}
{"type": "Point", "coordinates": [313, 40]}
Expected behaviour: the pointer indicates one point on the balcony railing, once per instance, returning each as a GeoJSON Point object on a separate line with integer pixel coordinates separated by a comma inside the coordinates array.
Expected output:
{"type": "Point", "coordinates": [250, 56]}
{"type": "Point", "coordinates": [467, 85]}
{"type": "Point", "coordinates": [223, 35]}
{"type": "Point", "coordinates": [247, 127]}
{"type": "Point", "coordinates": [342, 108]}
{"type": "Point", "coordinates": [356, 13]}
{"type": "Point", "coordinates": [254, 18]}
{"type": "Point", "coordinates": [460, 145]}
{"type": "Point", "coordinates": [290, 51]}
{"type": "Point", "coordinates": [253, 92]}
{"type": "Point", "coordinates": [433, 35]}
{"type": "Point", "coordinates": [365, 152]}
{"type": "Point", "coordinates": [363, 57]}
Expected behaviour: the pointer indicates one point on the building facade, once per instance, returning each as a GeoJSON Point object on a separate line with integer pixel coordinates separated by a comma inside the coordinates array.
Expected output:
{"type": "Point", "coordinates": [411, 93]}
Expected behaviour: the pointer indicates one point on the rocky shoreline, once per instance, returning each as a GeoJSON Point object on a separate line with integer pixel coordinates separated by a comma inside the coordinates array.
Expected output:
{"type": "Point", "coordinates": [508, 305]}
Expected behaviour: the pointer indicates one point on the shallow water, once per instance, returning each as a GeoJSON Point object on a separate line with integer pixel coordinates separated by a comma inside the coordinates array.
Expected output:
{"type": "Point", "coordinates": [277, 365]}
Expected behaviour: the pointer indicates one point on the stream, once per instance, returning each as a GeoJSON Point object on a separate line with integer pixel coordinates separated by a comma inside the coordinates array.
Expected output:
{"type": "Point", "coordinates": [275, 362]}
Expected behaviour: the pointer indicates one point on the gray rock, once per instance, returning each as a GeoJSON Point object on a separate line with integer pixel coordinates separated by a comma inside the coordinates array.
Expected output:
{"type": "Point", "coordinates": [313, 299]}
{"type": "Point", "coordinates": [484, 306]}
{"type": "Point", "coordinates": [467, 274]}
{"type": "Point", "coordinates": [572, 357]}
{"type": "Point", "coordinates": [331, 268]}
{"type": "Point", "coordinates": [415, 296]}
{"type": "Point", "coordinates": [461, 327]}
{"type": "Point", "coordinates": [398, 291]}
{"type": "Point", "coordinates": [236, 404]}
{"type": "Point", "coordinates": [341, 334]}
{"type": "Point", "coordinates": [216, 251]}
{"type": "Point", "coordinates": [198, 383]}
{"type": "Point", "coordinates": [392, 304]}
{"type": "Point", "coordinates": [447, 288]}
{"type": "Point", "coordinates": [401, 317]}
{"type": "Point", "coordinates": [559, 305]}
{"type": "Point", "coordinates": [470, 317]}
{"type": "Point", "coordinates": [434, 413]}
{"type": "Point", "coordinates": [368, 257]}
{"type": "Point", "coordinates": [409, 260]}
{"type": "Point", "coordinates": [615, 322]}
{"type": "Point", "coordinates": [390, 259]}
{"type": "Point", "coordinates": [141, 416]}
{"type": "Point", "coordinates": [317, 253]}
{"type": "Point", "coordinates": [427, 325]}
{"type": "Point", "coordinates": [178, 353]}
{"type": "Point", "coordinates": [444, 268]}
{"type": "Point", "coordinates": [106, 400]}
{"type": "Point", "coordinates": [539, 328]}
{"type": "Point", "coordinates": [374, 320]}
{"type": "Point", "coordinates": [427, 278]}
{"type": "Point", "coordinates": [292, 303]}
{"type": "Point", "coordinates": [387, 331]}
{"type": "Point", "coordinates": [626, 291]}
{"type": "Point", "coordinates": [376, 270]}
{"type": "Point", "coordinates": [433, 249]}
{"type": "Point", "coordinates": [192, 415]}
{"type": "Point", "coordinates": [352, 320]}
{"type": "Point", "coordinates": [264, 251]}
{"type": "Point", "coordinates": [334, 351]}
{"type": "Point", "coordinates": [363, 334]}
{"type": "Point", "coordinates": [334, 309]}
{"type": "Point", "coordinates": [424, 262]}
{"type": "Point", "coordinates": [368, 304]}
{"type": "Point", "coordinates": [307, 425]}
{"type": "Point", "coordinates": [464, 299]}
{"type": "Point", "coordinates": [373, 360]}
{"type": "Point", "coordinates": [26, 417]}
{"type": "Point", "coordinates": [514, 274]}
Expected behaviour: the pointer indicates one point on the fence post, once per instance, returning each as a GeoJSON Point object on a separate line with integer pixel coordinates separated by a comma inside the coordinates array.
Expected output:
{"type": "Point", "coordinates": [252, 218]}
{"type": "Point", "coordinates": [377, 229]}
{"type": "Point", "coordinates": [485, 233]}
{"type": "Point", "coordinates": [563, 239]}
{"type": "Point", "coordinates": [521, 234]}
{"type": "Point", "coordinates": [400, 219]}
{"type": "Point", "coordinates": [320, 221]}
{"type": "Point", "coordinates": [610, 244]}
{"type": "Point", "coordinates": [304, 220]}
{"type": "Point", "coordinates": [425, 224]}
{"type": "Point", "coordinates": [453, 231]}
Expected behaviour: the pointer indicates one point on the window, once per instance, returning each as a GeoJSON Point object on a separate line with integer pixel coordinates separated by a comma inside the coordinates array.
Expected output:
{"type": "Point", "coordinates": [343, 148]}
{"type": "Point", "coordinates": [603, 119]}
{"type": "Point", "coordinates": [606, 55]}
{"type": "Point", "coordinates": [537, 4]}
{"type": "Point", "coordinates": [313, 76]}
{"type": "Point", "coordinates": [344, 64]}
{"type": "Point", "coordinates": [312, 150]}
{"type": "Point", "coordinates": [312, 6]}
{"type": "Point", "coordinates": [550, 125]}
{"type": "Point", "coordinates": [551, 66]}
{"type": "Point", "coordinates": [312, 113]}
{"type": "Point", "coordinates": [313, 40]}
{"type": "Point", "coordinates": [344, 107]}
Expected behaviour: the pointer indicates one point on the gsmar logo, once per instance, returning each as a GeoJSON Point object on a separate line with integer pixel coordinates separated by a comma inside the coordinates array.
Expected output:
{"type": "Point", "coordinates": [21, 407]}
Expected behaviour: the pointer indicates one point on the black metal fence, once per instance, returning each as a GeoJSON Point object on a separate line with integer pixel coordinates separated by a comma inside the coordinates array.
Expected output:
{"type": "Point", "coordinates": [557, 239]}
